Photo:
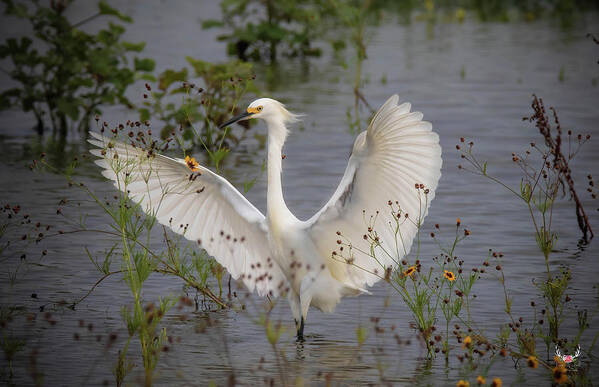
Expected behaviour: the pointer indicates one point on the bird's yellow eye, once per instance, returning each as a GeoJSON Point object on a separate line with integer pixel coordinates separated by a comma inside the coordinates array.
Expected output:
{"type": "Point", "coordinates": [255, 110]}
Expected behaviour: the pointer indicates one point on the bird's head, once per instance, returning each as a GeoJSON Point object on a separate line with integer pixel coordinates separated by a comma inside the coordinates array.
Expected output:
{"type": "Point", "coordinates": [268, 109]}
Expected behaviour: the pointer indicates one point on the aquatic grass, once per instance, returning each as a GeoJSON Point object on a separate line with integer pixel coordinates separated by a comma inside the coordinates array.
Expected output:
{"type": "Point", "coordinates": [355, 17]}
{"type": "Point", "coordinates": [444, 291]}
{"type": "Point", "coordinates": [190, 107]}
{"type": "Point", "coordinates": [132, 230]}
{"type": "Point", "coordinates": [428, 292]}
{"type": "Point", "coordinates": [10, 346]}
{"type": "Point", "coordinates": [130, 224]}
{"type": "Point", "coordinates": [286, 354]}
{"type": "Point", "coordinates": [137, 264]}
{"type": "Point", "coordinates": [19, 233]}
{"type": "Point", "coordinates": [20, 249]}
{"type": "Point", "coordinates": [543, 180]}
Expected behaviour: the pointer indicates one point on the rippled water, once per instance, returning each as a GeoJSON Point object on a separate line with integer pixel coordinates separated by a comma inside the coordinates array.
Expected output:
{"type": "Point", "coordinates": [502, 65]}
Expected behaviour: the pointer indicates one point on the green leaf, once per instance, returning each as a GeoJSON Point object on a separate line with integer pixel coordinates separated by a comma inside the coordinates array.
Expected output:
{"type": "Point", "coordinates": [248, 184]}
{"type": "Point", "coordinates": [144, 114]}
{"type": "Point", "coordinates": [361, 334]}
{"type": "Point", "coordinates": [25, 43]}
{"type": "Point", "coordinates": [206, 24]}
{"type": "Point", "coordinates": [69, 107]}
{"type": "Point", "coordinates": [198, 65]}
{"type": "Point", "coordinates": [147, 77]}
{"type": "Point", "coordinates": [116, 29]}
{"type": "Point", "coordinates": [273, 332]}
{"type": "Point", "coordinates": [137, 47]}
{"type": "Point", "coordinates": [145, 64]}
{"type": "Point", "coordinates": [7, 96]}
{"type": "Point", "coordinates": [188, 134]}
{"type": "Point", "coordinates": [169, 76]}
{"type": "Point", "coordinates": [85, 82]}
{"type": "Point", "coordinates": [338, 45]}
{"type": "Point", "coordinates": [4, 51]}
{"type": "Point", "coordinates": [179, 90]}
{"type": "Point", "coordinates": [218, 156]}
{"type": "Point", "coordinates": [18, 10]}
{"type": "Point", "coordinates": [106, 9]}
{"type": "Point", "coordinates": [166, 131]}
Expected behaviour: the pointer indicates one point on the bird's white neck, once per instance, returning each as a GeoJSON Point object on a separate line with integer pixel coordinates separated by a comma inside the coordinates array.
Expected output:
{"type": "Point", "coordinates": [276, 209]}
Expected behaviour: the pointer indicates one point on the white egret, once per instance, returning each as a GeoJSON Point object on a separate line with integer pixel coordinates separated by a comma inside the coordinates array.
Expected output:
{"type": "Point", "coordinates": [396, 160]}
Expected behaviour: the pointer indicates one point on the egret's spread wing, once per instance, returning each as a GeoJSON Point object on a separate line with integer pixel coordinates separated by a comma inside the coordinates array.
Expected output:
{"type": "Point", "coordinates": [396, 152]}
{"type": "Point", "coordinates": [201, 205]}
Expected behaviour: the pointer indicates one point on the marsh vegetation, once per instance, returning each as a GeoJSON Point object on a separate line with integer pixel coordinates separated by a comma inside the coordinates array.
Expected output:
{"type": "Point", "coordinates": [501, 277]}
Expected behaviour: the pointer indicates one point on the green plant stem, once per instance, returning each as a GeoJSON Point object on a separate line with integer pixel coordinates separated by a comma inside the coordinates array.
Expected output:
{"type": "Point", "coordinates": [169, 270]}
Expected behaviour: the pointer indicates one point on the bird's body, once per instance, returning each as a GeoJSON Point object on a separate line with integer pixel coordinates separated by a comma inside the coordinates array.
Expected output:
{"type": "Point", "coordinates": [366, 227]}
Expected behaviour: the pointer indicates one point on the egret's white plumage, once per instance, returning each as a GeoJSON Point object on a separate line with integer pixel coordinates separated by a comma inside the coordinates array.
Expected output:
{"type": "Point", "coordinates": [278, 253]}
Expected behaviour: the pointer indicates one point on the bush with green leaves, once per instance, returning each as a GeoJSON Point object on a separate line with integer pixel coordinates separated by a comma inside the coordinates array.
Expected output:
{"type": "Point", "coordinates": [207, 98]}
{"type": "Point", "coordinates": [258, 29]}
{"type": "Point", "coordinates": [64, 73]}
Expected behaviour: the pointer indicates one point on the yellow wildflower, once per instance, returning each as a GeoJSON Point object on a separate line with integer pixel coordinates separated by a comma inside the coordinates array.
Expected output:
{"type": "Point", "coordinates": [467, 342]}
{"type": "Point", "coordinates": [192, 163]}
{"type": "Point", "coordinates": [449, 275]}
{"type": "Point", "coordinates": [532, 362]}
{"type": "Point", "coordinates": [560, 374]}
{"type": "Point", "coordinates": [410, 271]}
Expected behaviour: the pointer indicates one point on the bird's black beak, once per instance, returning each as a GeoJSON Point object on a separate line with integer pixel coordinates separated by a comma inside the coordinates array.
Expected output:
{"type": "Point", "coordinates": [235, 119]}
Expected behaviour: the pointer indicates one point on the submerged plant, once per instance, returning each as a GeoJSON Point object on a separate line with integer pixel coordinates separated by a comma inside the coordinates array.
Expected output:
{"type": "Point", "coordinates": [11, 346]}
{"type": "Point", "coordinates": [546, 177]}
{"type": "Point", "coordinates": [262, 29]}
{"type": "Point", "coordinates": [191, 107]}
{"type": "Point", "coordinates": [132, 232]}
{"type": "Point", "coordinates": [546, 173]}
{"type": "Point", "coordinates": [354, 15]}
{"type": "Point", "coordinates": [76, 72]}
{"type": "Point", "coordinates": [426, 291]}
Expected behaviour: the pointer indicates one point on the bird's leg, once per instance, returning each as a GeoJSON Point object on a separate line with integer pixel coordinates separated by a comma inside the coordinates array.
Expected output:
{"type": "Point", "coordinates": [300, 329]}
{"type": "Point", "coordinates": [295, 304]}
{"type": "Point", "coordinates": [305, 298]}
{"type": "Point", "coordinates": [229, 284]}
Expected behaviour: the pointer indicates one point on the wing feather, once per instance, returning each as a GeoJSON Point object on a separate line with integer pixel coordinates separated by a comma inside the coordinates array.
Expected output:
{"type": "Point", "coordinates": [203, 207]}
{"type": "Point", "coordinates": [397, 151]}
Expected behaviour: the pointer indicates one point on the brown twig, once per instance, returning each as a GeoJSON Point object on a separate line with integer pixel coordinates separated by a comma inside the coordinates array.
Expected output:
{"type": "Point", "coordinates": [560, 162]}
{"type": "Point", "coordinates": [75, 303]}
{"type": "Point", "coordinates": [360, 96]}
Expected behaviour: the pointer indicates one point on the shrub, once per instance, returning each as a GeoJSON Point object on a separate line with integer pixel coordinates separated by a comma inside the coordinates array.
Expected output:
{"type": "Point", "coordinates": [194, 118]}
{"type": "Point", "coordinates": [259, 28]}
{"type": "Point", "coordinates": [74, 72]}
